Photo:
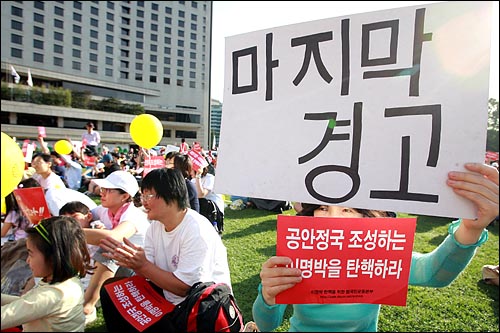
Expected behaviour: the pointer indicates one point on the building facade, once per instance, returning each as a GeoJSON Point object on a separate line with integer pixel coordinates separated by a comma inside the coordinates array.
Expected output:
{"type": "Point", "coordinates": [215, 121]}
{"type": "Point", "coordinates": [155, 54]}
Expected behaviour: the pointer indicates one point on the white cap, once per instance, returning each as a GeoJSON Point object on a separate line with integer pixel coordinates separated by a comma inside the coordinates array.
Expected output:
{"type": "Point", "coordinates": [119, 179]}
{"type": "Point", "coordinates": [99, 166]}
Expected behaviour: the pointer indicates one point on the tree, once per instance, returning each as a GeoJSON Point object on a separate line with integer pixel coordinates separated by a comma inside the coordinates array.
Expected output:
{"type": "Point", "coordinates": [492, 133]}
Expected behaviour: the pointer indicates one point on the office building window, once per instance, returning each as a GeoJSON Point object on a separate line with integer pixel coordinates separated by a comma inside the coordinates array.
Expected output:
{"type": "Point", "coordinates": [109, 38]}
{"type": "Point", "coordinates": [16, 53]}
{"type": "Point", "coordinates": [152, 78]}
{"type": "Point", "coordinates": [109, 72]}
{"type": "Point", "coordinates": [77, 4]}
{"type": "Point", "coordinates": [58, 36]}
{"type": "Point", "coordinates": [59, 11]}
{"type": "Point", "coordinates": [153, 68]}
{"type": "Point", "coordinates": [140, 24]}
{"type": "Point", "coordinates": [58, 24]}
{"type": "Point", "coordinates": [154, 48]}
{"type": "Point", "coordinates": [180, 63]}
{"type": "Point", "coordinates": [77, 29]}
{"type": "Point", "coordinates": [123, 75]}
{"type": "Point", "coordinates": [192, 84]}
{"type": "Point", "coordinates": [93, 57]}
{"type": "Point", "coordinates": [77, 17]}
{"type": "Point", "coordinates": [140, 13]}
{"type": "Point", "coordinates": [58, 61]}
{"type": "Point", "coordinates": [109, 49]}
{"type": "Point", "coordinates": [93, 69]}
{"type": "Point", "coordinates": [77, 53]}
{"type": "Point", "coordinates": [109, 27]}
{"type": "Point", "coordinates": [93, 45]}
{"type": "Point", "coordinates": [166, 50]}
{"type": "Point", "coordinates": [166, 80]}
{"type": "Point", "coordinates": [110, 16]}
{"type": "Point", "coordinates": [109, 61]}
{"type": "Point", "coordinates": [111, 5]}
{"type": "Point", "coordinates": [16, 25]}
{"type": "Point", "coordinates": [77, 41]}
{"type": "Point", "coordinates": [180, 73]}
{"type": "Point", "coordinates": [38, 57]}
{"type": "Point", "coordinates": [39, 5]}
{"type": "Point", "coordinates": [168, 30]}
{"type": "Point", "coordinates": [138, 66]}
{"type": "Point", "coordinates": [139, 45]}
{"type": "Point", "coordinates": [15, 11]}
{"type": "Point", "coordinates": [94, 22]}
{"type": "Point", "coordinates": [76, 65]}
{"type": "Point", "coordinates": [58, 49]}
{"type": "Point", "coordinates": [94, 11]}
{"type": "Point", "coordinates": [138, 77]}
{"type": "Point", "coordinates": [38, 31]}
{"type": "Point", "coordinates": [38, 44]}
{"type": "Point", "coordinates": [16, 39]}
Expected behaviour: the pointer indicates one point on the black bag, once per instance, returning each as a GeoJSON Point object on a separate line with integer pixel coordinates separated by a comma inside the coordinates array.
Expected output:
{"type": "Point", "coordinates": [209, 209]}
{"type": "Point", "coordinates": [208, 307]}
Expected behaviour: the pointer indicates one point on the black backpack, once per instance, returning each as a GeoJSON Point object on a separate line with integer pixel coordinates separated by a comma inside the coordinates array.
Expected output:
{"type": "Point", "coordinates": [208, 307]}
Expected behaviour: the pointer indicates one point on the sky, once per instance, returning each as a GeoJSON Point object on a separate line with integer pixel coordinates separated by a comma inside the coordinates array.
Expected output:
{"type": "Point", "coordinates": [237, 17]}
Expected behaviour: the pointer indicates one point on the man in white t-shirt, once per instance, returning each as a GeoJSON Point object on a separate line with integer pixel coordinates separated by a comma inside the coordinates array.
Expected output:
{"type": "Point", "coordinates": [181, 246]}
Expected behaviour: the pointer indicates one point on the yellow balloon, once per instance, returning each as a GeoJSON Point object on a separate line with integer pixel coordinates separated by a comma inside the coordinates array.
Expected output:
{"type": "Point", "coordinates": [146, 130]}
{"type": "Point", "coordinates": [4, 206]}
{"type": "Point", "coordinates": [12, 165]}
{"type": "Point", "coordinates": [63, 147]}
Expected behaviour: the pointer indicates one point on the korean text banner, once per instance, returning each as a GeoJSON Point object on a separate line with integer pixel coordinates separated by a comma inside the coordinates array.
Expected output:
{"type": "Point", "coordinates": [32, 202]}
{"type": "Point", "coordinates": [347, 260]}
{"type": "Point", "coordinates": [137, 301]}
{"type": "Point", "coordinates": [369, 110]}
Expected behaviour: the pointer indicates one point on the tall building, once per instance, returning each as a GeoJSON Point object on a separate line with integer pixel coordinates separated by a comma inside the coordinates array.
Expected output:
{"type": "Point", "coordinates": [155, 54]}
{"type": "Point", "coordinates": [215, 121]}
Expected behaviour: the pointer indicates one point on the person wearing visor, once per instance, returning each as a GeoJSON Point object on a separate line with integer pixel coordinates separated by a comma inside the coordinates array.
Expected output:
{"type": "Point", "coordinates": [121, 218]}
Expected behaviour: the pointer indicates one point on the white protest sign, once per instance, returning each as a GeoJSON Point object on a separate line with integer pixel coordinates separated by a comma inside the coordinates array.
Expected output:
{"type": "Point", "coordinates": [367, 111]}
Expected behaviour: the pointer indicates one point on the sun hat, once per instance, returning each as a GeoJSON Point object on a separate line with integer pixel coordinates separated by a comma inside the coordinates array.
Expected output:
{"type": "Point", "coordinates": [119, 179]}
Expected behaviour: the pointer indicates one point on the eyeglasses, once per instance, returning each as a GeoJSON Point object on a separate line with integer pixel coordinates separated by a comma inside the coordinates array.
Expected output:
{"type": "Point", "coordinates": [147, 197]}
{"type": "Point", "coordinates": [106, 190]}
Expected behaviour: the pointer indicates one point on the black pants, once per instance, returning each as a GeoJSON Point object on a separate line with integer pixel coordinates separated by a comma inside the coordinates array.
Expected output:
{"type": "Point", "coordinates": [115, 321]}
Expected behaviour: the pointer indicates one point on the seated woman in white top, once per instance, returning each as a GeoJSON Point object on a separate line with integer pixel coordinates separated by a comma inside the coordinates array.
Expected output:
{"type": "Point", "coordinates": [44, 174]}
{"type": "Point", "coordinates": [122, 219]}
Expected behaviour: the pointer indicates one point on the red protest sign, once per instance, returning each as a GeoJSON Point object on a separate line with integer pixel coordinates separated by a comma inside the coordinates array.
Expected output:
{"type": "Point", "coordinates": [153, 162]}
{"type": "Point", "coordinates": [347, 260]}
{"type": "Point", "coordinates": [137, 301]}
{"type": "Point", "coordinates": [32, 202]}
{"type": "Point", "coordinates": [197, 160]}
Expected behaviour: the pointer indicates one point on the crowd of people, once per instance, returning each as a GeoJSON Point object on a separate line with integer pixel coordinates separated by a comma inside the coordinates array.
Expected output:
{"type": "Point", "coordinates": [166, 225]}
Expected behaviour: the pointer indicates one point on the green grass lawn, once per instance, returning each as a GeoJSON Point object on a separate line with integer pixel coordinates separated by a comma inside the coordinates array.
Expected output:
{"type": "Point", "coordinates": [467, 305]}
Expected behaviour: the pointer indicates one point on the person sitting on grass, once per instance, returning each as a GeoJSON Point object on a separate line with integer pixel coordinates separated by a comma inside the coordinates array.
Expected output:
{"type": "Point", "coordinates": [181, 248]}
{"type": "Point", "coordinates": [122, 219]}
{"type": "Point", "coordinates": [435, 269]}
{"type": "Point", "coordinates": [57, 253]}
